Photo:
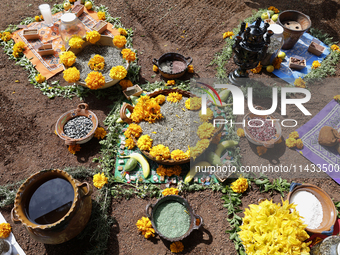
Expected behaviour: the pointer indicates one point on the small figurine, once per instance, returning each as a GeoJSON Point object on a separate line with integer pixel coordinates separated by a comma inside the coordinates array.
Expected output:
{"type": "Point", "coordinates": [329, 137]}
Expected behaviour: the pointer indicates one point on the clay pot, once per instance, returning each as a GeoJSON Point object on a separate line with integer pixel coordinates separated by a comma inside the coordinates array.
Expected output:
{"type": "Point", "coordinates": [82, 110]}
{"type": "Point", "coordinates": [67, 227]}
{"type": "Point", "coordinates": [294, 24]}
{"type": "Point", "coordinates": [182, 201]}
{"type": "Point", "coordinates": [171, 56]}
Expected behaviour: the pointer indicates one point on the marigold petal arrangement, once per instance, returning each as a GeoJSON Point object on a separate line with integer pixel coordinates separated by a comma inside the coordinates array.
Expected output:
{"type": "Point", "coordinates": [71, 75]}
{"type": "Point", "coordinates": [300, 83]}
{"type": "Point", "coordinates": [92, 37]}
{"type": "Point", "coordinates": [95, 80]}
{"type": "Point", "coordinates": [118, 72]}
{"type": "Point", "coordinates": [144, 143]}
{"type": "Point", "coordinates": [206, 130]}
{"type": "Point", "coordinates": [144, 225]}
{"type": "Point", "coordinates": [5, 230]}
{"type": "Point", "coordinates": [99, 180]}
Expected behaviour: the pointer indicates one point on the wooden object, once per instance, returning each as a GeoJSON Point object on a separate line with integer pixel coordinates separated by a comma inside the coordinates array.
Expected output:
{"type": "Point", "coordinates": [295, 65]}
{"type": "Point", "coordinates": [101, 26]}
{"type": "Point", "coordinates": [132, 91]}
{"type": "Point", "coordinates": [316, 48]}
{"type": "Point", "coordinates": [46, 49]}
{"type": "Point", "coordinates": [78, 9]}
{"type": "Point", "coordinates": [30, 34]}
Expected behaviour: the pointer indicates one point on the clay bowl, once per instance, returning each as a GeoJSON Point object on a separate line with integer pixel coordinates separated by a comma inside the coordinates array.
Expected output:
{"type": "Point", "coordinates": [328, 208]}
{"type": "Point", "coordinates": [171, 56]}
{"type": "Point", "coordinates": [104, 41]}
{"type": "Point", "coordinates": [164, 92]}
{"type": "Point", "coordinates": [82, 110]}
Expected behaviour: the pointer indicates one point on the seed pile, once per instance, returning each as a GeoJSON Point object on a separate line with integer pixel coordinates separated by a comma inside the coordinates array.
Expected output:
{"type": "Point", "coordinates": [261, 129]}
{"type": "Point", "coordinates": [78, 127]}
{"type": "Point", "coordinates": [111, 55]}
{"type": "Point", "coordinates": [172, 67]}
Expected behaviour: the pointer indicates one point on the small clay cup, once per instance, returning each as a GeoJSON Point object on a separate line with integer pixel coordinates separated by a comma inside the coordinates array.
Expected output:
{"type": "Point", "coordinates": [171, 56]}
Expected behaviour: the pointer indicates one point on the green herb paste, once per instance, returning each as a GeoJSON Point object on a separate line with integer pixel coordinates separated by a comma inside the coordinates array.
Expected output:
{"type": "Point", "coordinates": [172, 219]}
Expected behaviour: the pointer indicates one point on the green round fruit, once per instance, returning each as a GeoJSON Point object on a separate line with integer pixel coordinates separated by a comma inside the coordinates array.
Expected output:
{"type": "Point", "coordinates": [264, 16]}
{"type": "Point", "coordinates": [270, 68]}
{"type": "Point", "coordinates": [281, 55]}
{"type": "Point", "coordinates": [130, 164]}
{"type": "Point", "coordinates": [275, 17]}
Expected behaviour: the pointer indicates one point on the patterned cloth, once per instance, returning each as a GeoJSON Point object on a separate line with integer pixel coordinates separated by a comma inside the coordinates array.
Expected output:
{"type": "Point", "coordinates": [323, 157]}
{"type": "Point", "coordinates": [50, 65]}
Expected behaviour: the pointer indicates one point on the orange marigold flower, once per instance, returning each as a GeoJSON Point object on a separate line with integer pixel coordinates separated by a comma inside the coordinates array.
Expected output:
{"type": "Point", "coordinates": [101, 15]}
{"type": "Point", "coordinates": [277, 63]}
{"type": "Point", "coordinates": [206, 117]}
{"type": "Point", "coordinates": [170, 82]}
{"type": "Point", "coordinates": [160, 99]}
{"type": "Point", "coordinates": [294, 135]}
{"type": "Point", "coordinates": [97, 62]}
{"type": "Point", "coordinates": [125, 84]}
{"type": "Point", "coordinates": [40, 79]}
{"type": "Point", "coordinates": [240, 132]}
{"type": "Point", "coordinates": [300, 83]}
{"type": "Point", "coordinates": [316, 64]}
{"type": "Point", "coordinates": [240, 185]}
{"type": "Point", "coordinates": [95, 80]}
{"type": "Point", "coordinates": [129, 143]}
{"type": "Point", "coordinates": [299, 144]}
{"type": "Point", "coordinates": [18, 48]}
{"type": "Point", "coordinates": [71, 75]}
{"type": "Point", "coordinates": [193, 103]}
{"type": "Point", "coordinates": [261, 150]}
{"type": "Point", "coordinates": [41, 17]}
{"type": "Point", "coordinates": [228, 34]}
{"type": "Point", "coordinates": [67, 58]}
{"type": "Point", "coordinates": [119, 41]}
{"type": "Point", "coordinates": [76, 42]}
{"type": "Point", "coordinates": [6, 36]}
{"type": "Point", "coordinates": [174, 97]}
{"type": "Point", "coordinates": [129, 55]}
{"type": "Point", "coordinates": [145, 226]}
{"type": "Point", "coordinates": [74, 148]}
{"type": "Point", "coordinates": [200, 146]}
{"type": "Point", "coordinates": [206, 130]}
{"type": "Point", "coordinates": [144, 143]}
{"type": "Point", "coordinates": [257, 69]}
{"type": "Point", "coordinates": [92, 37]}
{"type": "Point", "coordinates": [160, 152]}
{"type": "Point", "coordinates": [99, 180]}
{"type": "Point", "coordinates": [122, 31]}
{"type": "Point", "coordinates": [170, 191]}
{"type": "Point", "coordinates": [100, 133]}
{"type": "Point", "coordinates": [191, 69]}
{"type": "Point", "coordinates": [118, 72]}
{"type": "Point", "coordinates": [134, 130]}
{"type": "Point", "coordinates": [155, 68]}
{"type": "Point", "coordinates": [290, 142]}
{"type": "Point", "coordinates": [5, 230]}
{"type": "Point", "coordinates": [178, 155]}
{"type": "Point", "coordinates": [335, 47]}
{"type": "Point", "coordinates": [176, 247]}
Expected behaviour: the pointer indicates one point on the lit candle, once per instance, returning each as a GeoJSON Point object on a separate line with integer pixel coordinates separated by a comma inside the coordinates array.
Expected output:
{"type": "Point", "coordinates": [46, 12]}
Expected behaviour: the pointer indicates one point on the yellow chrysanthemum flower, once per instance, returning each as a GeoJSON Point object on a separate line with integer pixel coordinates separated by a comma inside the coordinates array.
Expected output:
{"type": "Point", "coordinates": [95, 80]}
{"type": "Point", "coordinates": [240, 185]}
{"type": "Point", "coordinates": [125, 84]}
{"type": "Point", "coordinates": [6, 36]}
{"type": "Point", "coordinates": [92, 37]}
{"type": "Point", "coordinates": [18, 48]}
{"type": "Point", "coordinates": [129, 55]}
{"type": "Point", "coordinates": [178, 155]}
{"type": "Point", "coordinates": [170, 82]}
{"type": "Point", "coordinates": [272, 8]}
{"type": "Point", "coordinates": [169, 171]}
{"type": "Point", "coordinates": [40, 79]}
{"type": "Point", "coordinates": [294, 135]}
{"type": "Point", "coordinates": [206, 117]}
{"type": "Point", "coordinates": [160, 152]}
{"type": "Point", "coordinates": [228, 34]}
{"type": "Point", "coordinates": [99, 180]}
{"type": "Point", "coordinates": [155, 68]}
{"type": "Point", "coordinates": [160, 99]}
{"type": "Point", "coordinates": [97, 63]}
{"type": "Point", "coordinates": [316, 64]}
{"type": "Point", "coordinates": [300, 83]}
{"type": "Point", "coordinates": [76, 42]}
{"type": "Point", "coordinates": [133, 130]}
{"type": "Point", "coordinates": [176, 247]}
{"type": "Point", "coordinates": [206, 130]}
{"type": "Point", "coordinates": [101, 15]}
{"type": "Point", "coordinates": [118, 72]}
{"type": "Point", "coordinates": [73, 148]}
{"type": "Point", "coordinates": [335, 48]}
{"type": "Point", "coordinates": [191, 69]}
{"type": "Point", "coordinates": [170, 191]}
{"type": "Point", "coordinates": [290, 142]}
{"type": "Point", "coordinates": [5, 230]}
{"type": "Point", "coordinates": [240, 132]}
{"type": "Point", "coordinates": [71, 75]}
{"type": "Point", "coordinates": [193, 103]}
{"type": "Point", "coordinates": [100, 133]}
{"type": "Point", "coordinates": [122, 31]}
{"type": "Point", "coordinates": [119, 41]}
{"type": "Point", "coordinates": [145, 226]}
{"type": "Point", "coordinates": [129, 143]}
{"type": "Point", "coordinates": [174, 97]}
{"type": "Point", "coordinates": [144, 143]}
{"type": "Point", "coordinates": [67, 58]}
{"type": "Point", "coordinates": [200, 146]}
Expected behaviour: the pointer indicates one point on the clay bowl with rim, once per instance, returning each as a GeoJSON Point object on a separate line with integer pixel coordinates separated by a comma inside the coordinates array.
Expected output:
{"type": "Point", "coordinates": [103, 41]}
{"type": "Point", "coordinates": [164, 92]}
{"type": "Point", "coordinates": [329, 211]}
{"type": "Point", "coordinates": [172, 56]}
{"type": "Point", "coordinates": [82, 110]}
{"type": "Point", "coordinates": [184, 202]}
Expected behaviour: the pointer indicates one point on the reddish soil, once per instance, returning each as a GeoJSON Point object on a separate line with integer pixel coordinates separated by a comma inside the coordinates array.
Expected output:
{"type": "Point", "coordinates": [191, 27]}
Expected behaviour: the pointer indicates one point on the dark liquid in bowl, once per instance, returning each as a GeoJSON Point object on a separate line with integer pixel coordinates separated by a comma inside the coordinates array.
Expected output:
{"type": "Point", "coordinates": [50, 201]}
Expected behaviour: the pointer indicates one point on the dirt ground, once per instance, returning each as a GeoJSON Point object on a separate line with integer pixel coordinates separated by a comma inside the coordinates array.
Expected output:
{"type": "Point", "coordinates": [191, 27]}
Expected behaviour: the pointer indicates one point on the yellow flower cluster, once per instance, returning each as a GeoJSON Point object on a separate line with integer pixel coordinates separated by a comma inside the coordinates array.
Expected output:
{"type": "Point", "coordinates": [18, 48]}
{"type": "Point", "coordinates": [118, 72]}
{"type": "Point", "coordinates": [129, 55]}
{"type": "Point", "coordinates": [176, 247]}
{"type": "Point", "coordinates": [160, 99]}
{"type": "Point", "coordinates": [73, 148]}
{"type": "Point", "coordinates": [300, 83]}
{"type": "Point", "coordinates": [170, 191]}
{"type": "Point", "coordinates": [240, 185]}
{"type": "Point", "coordinates": [76, 42]}
{"type": "Point", "coordinates": [97, 62]}
{"type": "Point", "coordinates": [270, 228]}
{"type": "Point", "coordinates": [160, 152]}
{"type": "Point", "coordinates": [191, 69]}
{"type": "Point", "coordinates": [240, 132]}
{"type": "Point", "coordinates": [71, 74]}
{"type": "Point", "coordinates": [99, 180]}
{"type": "Point", "coordinates": [144, 143]}
{"type": "Point", "coordinates": [40, 79]}
{"type": "Point", "coordinates": [155, 68]}
{"type": "Point", "coordinates": [316, 64]}
{"type": "Point", "coordinates": [133, 130]}
{"type": "Point", "coordinates": [291, 142]}
{"type": "Point", "coordinates": [169, 171]}
{"type": "Point", "coordinates": [294, 135]}
{"type": "Point", "coordinates": [146, 109]}
{"type": "Point", "coordinates": [179, 155]}
{"type": "Point", "coordinates": [200, 146]}
{"type": "Point", "coordinates": [257, 69]}
{"type": "Point", "coordinates": [228, 34]}
{"type": "Point", "coordinates": [170, 83]}
{"type": "Point", "coordinates": [261, 150]}
{"type": "Point", "coordinates": [100, 133]}
{"type": "Point", "coordinates": [277, 63]}
{"type": "Point", "coordinates": [37, 18]}
{"type": "Point", "coordinates": [193, 103]}
{"type": "Point", "coordinates": [101, 15]}
{"type": "Point", "coordinates": [92, 37]}
{"type": "Point", "coordinates": [119, 41]}
{"type": "Point", "coordinates": [122, 31]}
{"type": "Point", "coordinates": [174, 97]}
{"type": "Point", "coordinates": [67, 58]}
{"type": "Point", "coordinates": [125, 84]}
{"type": "Point", "coordinates": [335, 48]}
{"type": "Point", "coordinates": [5, 36]}
{"type": "Point", "coordinates": [129, 143]}
{"type": "Point", "coordinates": [272, 8]}
{"type": "Point", "coordinates": [5, 230]}
{"type": "Point", "coordinates": [206, 117]}
{"type": "Point", "coordinates": [145, 226]}
{"type": "Point", "coordinates": [206, 130]}
{"type": "Point", "coordinates": [337, 98]}
{"type": "Point", "coordinates": [95, 80]}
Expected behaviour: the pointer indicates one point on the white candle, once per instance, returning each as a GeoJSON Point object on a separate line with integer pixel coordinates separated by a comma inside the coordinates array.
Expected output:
{"type": "Point", "coordinates": [46, 12]}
